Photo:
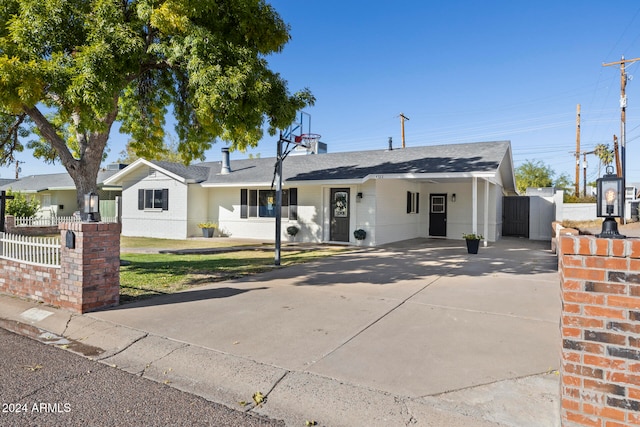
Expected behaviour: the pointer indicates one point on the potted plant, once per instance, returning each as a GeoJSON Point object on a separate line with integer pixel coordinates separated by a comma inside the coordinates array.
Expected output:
{"type": "Point", "coordinates": [292, 230]}
{"type": "Point", "coordinates": [208, 228]}
{"type": "Point", "coordinates": [473, 242]}
{"type": "Point", "coordinates": [360, 234]}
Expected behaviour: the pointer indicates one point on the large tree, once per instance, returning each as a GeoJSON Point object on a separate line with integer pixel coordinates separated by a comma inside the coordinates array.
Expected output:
{"type": "Point", "coordinates": [70, 68]}
{"type": "Point", "coordinates": [533, 174]}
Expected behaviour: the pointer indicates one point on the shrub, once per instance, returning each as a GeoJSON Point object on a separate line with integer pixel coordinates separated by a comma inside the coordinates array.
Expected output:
{"type": "Point", "coordinates": [360, 234]}
{"type": "Point", "coordinates": [20, 206]}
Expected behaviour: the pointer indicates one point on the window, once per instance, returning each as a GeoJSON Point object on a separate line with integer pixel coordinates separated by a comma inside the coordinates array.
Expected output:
{"type": "Point", "coordinates": [262, 203]}
{"type": "Point", "coordinates": [413, 202]}
{"type": "Point", "coordinates": [153, 199]}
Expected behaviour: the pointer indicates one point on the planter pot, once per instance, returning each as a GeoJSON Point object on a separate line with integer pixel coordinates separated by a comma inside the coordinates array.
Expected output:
{"type": "Point", "coordinates": [208, 232]}
{"type": "Point", "coordinates": [473, 245]}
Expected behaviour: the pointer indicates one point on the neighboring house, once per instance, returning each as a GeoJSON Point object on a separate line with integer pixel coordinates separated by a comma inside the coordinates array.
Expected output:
{"type": "Point", "coordinates": [433, 191]}
{"type": "Point", "coordinates": [57, 193]}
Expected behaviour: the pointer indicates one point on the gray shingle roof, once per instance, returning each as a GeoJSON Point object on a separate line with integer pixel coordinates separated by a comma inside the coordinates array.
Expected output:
{"type": "Point", "coordinates": [452, 158]}
{"type": "Point", "coordinates": [35, 183]}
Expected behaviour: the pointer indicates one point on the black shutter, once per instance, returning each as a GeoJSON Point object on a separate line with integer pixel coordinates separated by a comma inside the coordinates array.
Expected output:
{"type": "Point", "coordinates": [293, 203]}
{"type": "Point", "coordinates": [140, 199]}
{"type": "Point", "coordinates": [165, 199]}
{"type": "Point", "coordinates": [243, 203]}
{"type": "Point", "coordinates": [417, 202]}
{"type": "Point", "coordinates": [408, 201]}
{"type": "Point", "coordinates": [253, 203]}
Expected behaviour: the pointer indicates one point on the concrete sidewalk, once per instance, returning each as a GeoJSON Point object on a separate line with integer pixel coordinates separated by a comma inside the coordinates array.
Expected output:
{"type": "Point", "coordinates": [416, 333]}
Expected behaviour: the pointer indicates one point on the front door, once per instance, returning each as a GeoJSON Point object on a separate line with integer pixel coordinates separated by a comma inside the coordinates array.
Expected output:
{"type": "Point", "coordinates": [438, 215]}
{"type": "Point", "coordinates": [339, 230]}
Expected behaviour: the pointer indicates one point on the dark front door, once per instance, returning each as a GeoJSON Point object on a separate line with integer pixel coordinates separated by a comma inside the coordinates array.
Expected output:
{"type": "Point", "coordinates": [438, 215]}
{"type": "Point", "coordinates": [339, 215]}
{"type": "Point", "coordinates": [515, 216]}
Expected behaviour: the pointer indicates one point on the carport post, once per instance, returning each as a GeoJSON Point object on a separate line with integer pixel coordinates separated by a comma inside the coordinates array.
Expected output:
{"type": "Point", "coordinates": [474, 203]}
{"type": "Point", "coordinates": [486, 211]}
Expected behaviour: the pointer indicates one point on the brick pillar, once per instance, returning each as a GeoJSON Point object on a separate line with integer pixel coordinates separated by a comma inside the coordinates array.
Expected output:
{"type": "Point", "coordinates": [600, 285]}
{"type": "Point", "coordinates": [90, 271]}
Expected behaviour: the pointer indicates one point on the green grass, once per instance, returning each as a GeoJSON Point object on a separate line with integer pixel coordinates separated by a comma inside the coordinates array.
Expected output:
{"type": "Point", "coordinates": [149, 243]}
{"type": "Point", "coordinates": [147, 275]}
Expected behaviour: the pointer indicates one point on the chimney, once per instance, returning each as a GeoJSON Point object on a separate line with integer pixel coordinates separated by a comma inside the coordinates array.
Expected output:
{"type": "Point", "coordinates": [390, 143]}
{"type": "Point", "coordinates": [226, 167]}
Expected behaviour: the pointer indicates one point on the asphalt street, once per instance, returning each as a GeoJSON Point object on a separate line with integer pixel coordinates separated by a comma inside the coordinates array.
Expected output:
{"type": "Point", "coordinates": [43, 385]}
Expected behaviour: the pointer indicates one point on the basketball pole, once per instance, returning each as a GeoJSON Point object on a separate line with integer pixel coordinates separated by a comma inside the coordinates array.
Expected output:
{"type": "Point", "coordinates": [278, 200]}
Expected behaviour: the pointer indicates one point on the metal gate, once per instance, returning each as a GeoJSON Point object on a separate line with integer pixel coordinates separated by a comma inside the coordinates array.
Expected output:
{"type": "Point", "coordinates": [515, 216]}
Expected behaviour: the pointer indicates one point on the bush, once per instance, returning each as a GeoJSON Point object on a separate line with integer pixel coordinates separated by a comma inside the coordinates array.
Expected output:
{"type": "Point", "coordinates": [20, 207]}
{"type": "Point", "coordinates": [360, 234]}
{"type": "Point", "coordinates": [292, 230]}
{"type": "Point", "coordinates": [571, 198]}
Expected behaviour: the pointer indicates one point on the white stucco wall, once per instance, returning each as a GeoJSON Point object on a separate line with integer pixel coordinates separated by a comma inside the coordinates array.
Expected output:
{"type": "Point", "coordinates": [364, 212]}
{"type": "Point", "coordinates": [198, 209]}
{"type": "Point", "coordinates": [226, 203]}
{"type": "Point", "coordinates": [171, 224]}
{"type": "Point", "coordinates": [542, 212]}
{"type": "Point", "coordinates": [66, 198]}
{"type": "Point", "coordinates": [393, 223]}
{"type": "Point", "coordinates": [460, 212]}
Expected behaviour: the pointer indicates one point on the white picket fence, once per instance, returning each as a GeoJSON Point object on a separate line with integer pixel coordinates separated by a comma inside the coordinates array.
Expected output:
{"type": "Point", "coordinates": [44, 221]}
{"type": "Point", "coordinates": [53, 220]}
{"type": "Point", "coordinates": [43, 251]}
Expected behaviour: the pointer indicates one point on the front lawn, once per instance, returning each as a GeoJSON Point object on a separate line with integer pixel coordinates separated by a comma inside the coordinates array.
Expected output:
{"type": "Point", "coordinates": [144, 275]}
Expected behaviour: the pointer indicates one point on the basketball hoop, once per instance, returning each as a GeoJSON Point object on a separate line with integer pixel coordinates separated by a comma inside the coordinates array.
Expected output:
{"type": "Point", "coordinates": [309, 139]}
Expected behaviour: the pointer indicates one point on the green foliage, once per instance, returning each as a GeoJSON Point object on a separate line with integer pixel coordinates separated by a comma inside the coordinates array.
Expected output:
{"type": "Point", "coordinates": [472, 236]}
{"type": "Point", "coordinates": [533, 174]}
{"type": "Point", "coordinates": [360, 234]}
{"type": "Point", "coordinates": [604, 153]}
{"type": "Point", "coordinates": [20, 206]}
{"type": "Point", "coordinates": [208, 225]}
{"type": "Point", "coordinates": [564, 183]}
{"type": "Point", "coordinates": [167, 152]}
{"type": "Point", "coordinates": [74, 67]}
{"type": "Point", "coordinates": [571, 198]}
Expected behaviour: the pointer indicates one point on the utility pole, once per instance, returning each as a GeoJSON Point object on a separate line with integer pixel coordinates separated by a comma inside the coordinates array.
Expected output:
{"type": "Point", "coordinates": [402, 119]}
{"type": "Point", "coordinates": [623, 118]}
{"type": "Point", "coordinates": [584, 171]}
{"type": "Point", "coordinates": [616, 153]}
{"type": "Point", "coordinates": [584, 168]}
{"type": "Point", "coordinates": [578, 151]}
{"type": "Point", "coordinates": [18, 170]}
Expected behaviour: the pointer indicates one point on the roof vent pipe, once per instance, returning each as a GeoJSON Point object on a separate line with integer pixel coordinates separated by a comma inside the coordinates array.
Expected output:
{"type": "Point", "coordinates": [226, 167]}
{"type": "Point", "coordinates": [390, 143]}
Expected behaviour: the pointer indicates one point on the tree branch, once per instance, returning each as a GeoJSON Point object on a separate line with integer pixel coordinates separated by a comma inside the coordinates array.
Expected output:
{"type": "Point", "coordinates": [50, 134]}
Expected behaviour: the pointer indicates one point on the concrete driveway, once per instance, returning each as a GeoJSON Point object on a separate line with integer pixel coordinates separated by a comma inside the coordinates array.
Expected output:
{"type": "Point", "coordinates": [418, 332]}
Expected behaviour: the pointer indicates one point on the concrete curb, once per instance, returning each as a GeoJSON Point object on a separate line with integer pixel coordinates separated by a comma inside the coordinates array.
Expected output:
{"type": "Point", "coordinates": [293, 396]}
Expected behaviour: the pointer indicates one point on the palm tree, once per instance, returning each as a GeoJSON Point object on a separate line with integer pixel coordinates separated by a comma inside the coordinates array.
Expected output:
{"type": "Point", "coordinates": [605, 154]}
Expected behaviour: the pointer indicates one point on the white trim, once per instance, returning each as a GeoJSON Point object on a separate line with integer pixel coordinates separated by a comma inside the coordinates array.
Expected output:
{"type": "Point", "coordinates": [113, 179]}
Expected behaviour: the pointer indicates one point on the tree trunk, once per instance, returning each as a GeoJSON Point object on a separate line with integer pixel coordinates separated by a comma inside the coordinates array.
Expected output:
{"type": "Point", "coordinates": [83, 171]}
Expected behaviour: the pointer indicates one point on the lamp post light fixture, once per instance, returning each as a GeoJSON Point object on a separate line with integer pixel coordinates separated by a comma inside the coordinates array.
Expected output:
{"type": "Point", "coordinates": [610, 204]}
{"type": "Point", "coordinates": [91, 206]}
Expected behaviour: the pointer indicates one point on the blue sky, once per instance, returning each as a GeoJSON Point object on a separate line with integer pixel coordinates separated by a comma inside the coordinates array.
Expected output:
{"type": "Point", "coordinates": [461, 71]}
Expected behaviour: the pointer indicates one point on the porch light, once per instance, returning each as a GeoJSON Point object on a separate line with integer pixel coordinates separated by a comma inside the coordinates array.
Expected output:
{"type": "Point", "coordinates": [453, 197]}
{"type": "Point", "coordinates": [91, 206]}
{"type": "Point", "coordinates": [610, 204]}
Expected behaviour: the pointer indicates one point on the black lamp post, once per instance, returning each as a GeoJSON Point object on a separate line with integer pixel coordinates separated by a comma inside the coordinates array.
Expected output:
{"type": "Point", "coordinates": [91, 206]}
{"type": "Point", "coordinates": [610, 204]}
